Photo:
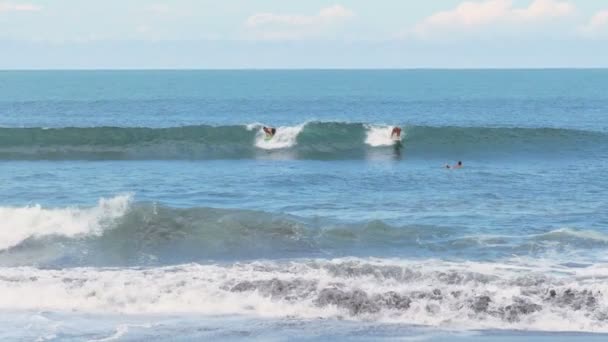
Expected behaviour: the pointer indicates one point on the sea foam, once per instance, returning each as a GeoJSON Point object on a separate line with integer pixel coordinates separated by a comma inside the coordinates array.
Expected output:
{"type": "Point", "coordinates": [285, 137]}
{"type": "Point", "coordinates": [21, 223]}
{"type": "Point", "coordinates": [475, 295]}
{"type": "Point", "coordinates": [379, 135]}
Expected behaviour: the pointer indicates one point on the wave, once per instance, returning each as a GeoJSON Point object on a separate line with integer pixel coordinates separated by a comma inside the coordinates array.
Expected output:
{"type": "Point", "coordinates": [35, 222]}
{"type": "Point", "coordinates": [313, 140]}
{"type": "Point", "coordinates": [120, 232]}
{"type": "Point", "coordinates": [475, 295]}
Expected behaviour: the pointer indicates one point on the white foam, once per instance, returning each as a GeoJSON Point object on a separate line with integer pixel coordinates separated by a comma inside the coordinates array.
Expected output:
{"type": "Point", "coordinates": [380, 135]}
{"type": "Point", "coordinates": [285, 137]}
{"type": "Point", "coordinates": [120, 331]}
{"type": "Point", "coordinates": [577, 233]}
{"type": "Point", "coordinates": [21, 223]}
{"type": "Point", "coordinates": [206, 289]}
{"type": "Point", "coordinates": [254, 125]}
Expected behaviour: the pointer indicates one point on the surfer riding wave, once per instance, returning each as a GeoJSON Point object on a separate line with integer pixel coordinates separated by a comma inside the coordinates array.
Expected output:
{"type": "Point", "coordinates": [270, 132]}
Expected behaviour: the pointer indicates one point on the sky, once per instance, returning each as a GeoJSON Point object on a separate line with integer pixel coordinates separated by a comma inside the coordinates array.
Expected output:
{"type": "Point", "coordinates": [261, 34]}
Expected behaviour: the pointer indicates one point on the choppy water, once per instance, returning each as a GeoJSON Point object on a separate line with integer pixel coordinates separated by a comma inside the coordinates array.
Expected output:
{"type": "Point", "coordinates": [139, 204]}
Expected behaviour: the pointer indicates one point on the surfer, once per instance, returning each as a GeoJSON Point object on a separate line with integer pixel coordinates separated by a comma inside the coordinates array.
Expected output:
{"type": "Point", "coordinates": [270, 131]}
{"type": "Point", "coordinates": [396, 133]}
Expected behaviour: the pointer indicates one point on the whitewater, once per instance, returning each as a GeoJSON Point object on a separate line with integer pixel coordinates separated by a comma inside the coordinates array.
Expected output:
{"type": "Point", "coordinates": [132, 210]}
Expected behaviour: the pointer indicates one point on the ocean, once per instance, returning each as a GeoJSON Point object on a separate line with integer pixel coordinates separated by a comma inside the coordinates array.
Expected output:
{"type": "Point", "coordinates": [139, 205]}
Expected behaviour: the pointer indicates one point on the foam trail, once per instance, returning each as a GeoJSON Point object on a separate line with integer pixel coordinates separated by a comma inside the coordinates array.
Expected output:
{"type": "Point", "coordinates": [379, 135]}
{"type": "Point", "coordinates": [285, 137]}
{"type": "Point", "coordinates": [19, 224]}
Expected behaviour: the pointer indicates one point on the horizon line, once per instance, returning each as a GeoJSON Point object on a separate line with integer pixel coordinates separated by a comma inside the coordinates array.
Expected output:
{"type": "Point", "coordinates": [312, 69]}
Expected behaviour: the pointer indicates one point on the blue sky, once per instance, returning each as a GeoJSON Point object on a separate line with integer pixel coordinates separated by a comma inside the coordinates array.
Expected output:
{"type": "Point", "coordinates": [79, 34]}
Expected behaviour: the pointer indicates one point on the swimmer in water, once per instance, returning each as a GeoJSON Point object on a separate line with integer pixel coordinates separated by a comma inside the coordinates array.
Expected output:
{"type": "Point", "coordinates": [457, 166]}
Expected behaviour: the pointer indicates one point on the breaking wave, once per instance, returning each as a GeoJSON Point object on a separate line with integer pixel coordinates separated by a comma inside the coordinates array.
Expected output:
{"type": "Point", "coordinates": [119, 232]}
{"type": "Point", "coordinates": [313, 140]}
{"type": "Point", "coordinates": [19, 224]}
{"type": "Point", "coordinates": [473, 295]}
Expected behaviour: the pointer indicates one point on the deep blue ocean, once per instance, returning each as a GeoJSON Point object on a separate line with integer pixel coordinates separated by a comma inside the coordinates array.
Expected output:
{"type": "Point", "coordinates": [148, 204]}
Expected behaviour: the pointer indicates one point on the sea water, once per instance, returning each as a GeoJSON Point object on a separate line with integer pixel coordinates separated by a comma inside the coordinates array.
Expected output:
{"type": "Point", "coordinates": [140, 204]}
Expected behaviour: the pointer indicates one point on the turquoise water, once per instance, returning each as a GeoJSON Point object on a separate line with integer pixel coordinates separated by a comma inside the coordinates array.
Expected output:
{"type": "Point", "coordinates": [147, 203]}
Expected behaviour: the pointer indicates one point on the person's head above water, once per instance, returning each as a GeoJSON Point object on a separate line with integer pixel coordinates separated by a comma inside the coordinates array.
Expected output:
{"type": "Point", "coordinates": [457, 166]}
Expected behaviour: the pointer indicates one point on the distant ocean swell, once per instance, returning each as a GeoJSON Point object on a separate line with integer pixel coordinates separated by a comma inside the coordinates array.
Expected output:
{"type": "Point", "coordinates": [118, 232]}
{"type": "Point", "coordinates": [314, 140]}
{"type": "Point", "coordinates": [423, 292]}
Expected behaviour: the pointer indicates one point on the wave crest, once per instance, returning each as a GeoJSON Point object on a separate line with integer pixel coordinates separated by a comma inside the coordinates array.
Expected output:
{"type": "Point", "coordinates": [21, 224]}
{"type": "Point", "coordinates": [313, 140]}
{"type": "Point", "coordinates": [118, 232]}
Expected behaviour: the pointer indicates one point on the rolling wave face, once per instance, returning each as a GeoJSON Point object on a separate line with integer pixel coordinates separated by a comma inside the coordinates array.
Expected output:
{"type": "Point", "coordinates": [425, 292]}
{"type": "Point", "coordinates": [191, 142]}
{"type": "Point", "coordinates": [119, 233]}
{"type": "Point", "coordinates": [503, 142]}
{"type": "Point", "coordinates": [316, 140]}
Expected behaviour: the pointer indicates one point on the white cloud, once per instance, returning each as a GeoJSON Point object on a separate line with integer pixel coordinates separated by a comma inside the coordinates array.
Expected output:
{"type": "Point", "coordinates": [540, 9]}
{"type": "Point", "coordinates": [12, 7]}
{"type": "Point", "coordinates": [471, 15]}
{"type": "Point", "coordinates": [286, 26]}
{"type": "Point", "coordinates": [597, 25]}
